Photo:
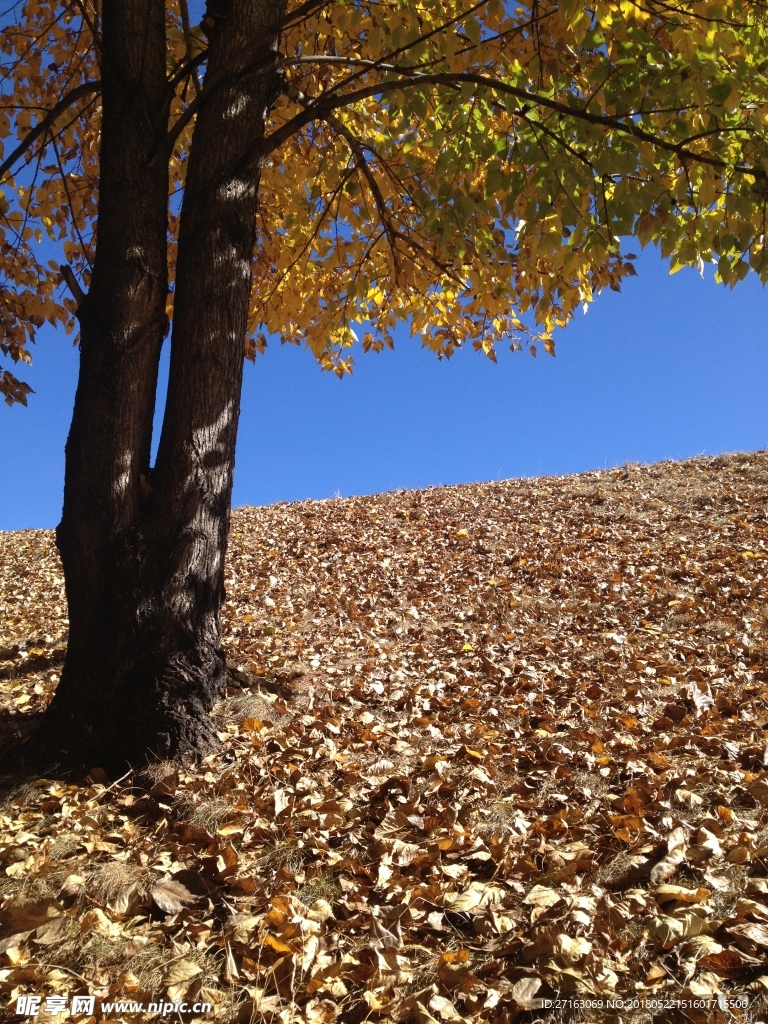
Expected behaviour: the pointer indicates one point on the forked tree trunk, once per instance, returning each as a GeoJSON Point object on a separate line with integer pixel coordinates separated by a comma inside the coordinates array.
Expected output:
{"type": "Point", "coordinates": [143, 550]}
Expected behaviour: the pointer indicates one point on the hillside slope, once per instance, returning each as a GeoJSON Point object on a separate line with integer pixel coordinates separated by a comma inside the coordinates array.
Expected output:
{"type": "Point", "coordinates": [493, 743]}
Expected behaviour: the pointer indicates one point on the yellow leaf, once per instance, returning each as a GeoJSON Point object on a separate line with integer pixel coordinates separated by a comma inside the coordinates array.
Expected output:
{"type": "Point", "coordinates": [432, 760]}
{"type": "Point", "coordinates": [732, 100]}
{"type": "Point", "coordinates": [252, 725]}
{"type": "Point", "coordinates": [455, 956]}
{"type": "Point", "coordinates": [667, 893]}
{"type": "Point", "coordinates": [277, 944]}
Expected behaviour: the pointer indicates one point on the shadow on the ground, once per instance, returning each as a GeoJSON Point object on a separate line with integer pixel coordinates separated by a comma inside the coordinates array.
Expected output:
{"type": "Point", "coordinates": [16, 727]}
{"type": "Point", "coordinates": [32, 663]}
{"type": "Point", "coordinates": [22, 759]}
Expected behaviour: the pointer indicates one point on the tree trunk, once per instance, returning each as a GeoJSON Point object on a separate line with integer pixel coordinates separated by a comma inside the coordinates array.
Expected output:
{"type": "Point", "coordinates": [143, 549]}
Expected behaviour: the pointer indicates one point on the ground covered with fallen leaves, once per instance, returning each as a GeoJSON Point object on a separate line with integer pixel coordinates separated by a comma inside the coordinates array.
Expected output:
{"type": "Point", "coordinates": [494, 746]}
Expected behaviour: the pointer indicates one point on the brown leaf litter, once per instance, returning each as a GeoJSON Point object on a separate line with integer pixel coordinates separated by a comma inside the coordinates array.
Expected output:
{"type": "Point", "coordinates": [493, 745]}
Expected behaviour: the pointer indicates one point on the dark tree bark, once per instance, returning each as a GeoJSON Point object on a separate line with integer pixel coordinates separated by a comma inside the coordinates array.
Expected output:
{"type": "Point", "coordinates": [143, 548]}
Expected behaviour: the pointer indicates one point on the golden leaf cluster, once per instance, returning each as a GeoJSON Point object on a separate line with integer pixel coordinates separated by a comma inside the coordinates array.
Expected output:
{"type": "Point", "coordinates": [469, 170]}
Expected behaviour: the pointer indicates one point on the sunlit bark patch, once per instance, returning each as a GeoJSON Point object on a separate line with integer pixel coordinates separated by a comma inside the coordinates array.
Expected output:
{"type": "Point", "coordinates": [236, 189]}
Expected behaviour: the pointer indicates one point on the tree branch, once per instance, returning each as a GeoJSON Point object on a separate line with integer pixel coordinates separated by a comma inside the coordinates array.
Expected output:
{"type": "Point", "coordinates": [322, 58]}
{"type": "Point", "coordinates": [64, 182]}
{"type": "Point", "coordinates": [187, 67]}
{"type": "Point", "coordinates": [437, 30]}
{"type": "Point", "coordinates": [91, 27]}
{"type": "Point", "coordinates": [302, 11]}
{"type": "Point", "coordinates": [362, 165]}
{"type": "Point", "coordinates": [187, 29]}
{"type": "Point", "coordinates": [86, 89]}
{"type": "Point", "coordinates": [72, 283]}
{"type": "Point", "coordinates": [331, 100]}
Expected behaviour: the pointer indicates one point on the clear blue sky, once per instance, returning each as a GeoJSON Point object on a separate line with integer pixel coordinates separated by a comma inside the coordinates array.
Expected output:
{"type": "Point", "coordinates": [671, 367]}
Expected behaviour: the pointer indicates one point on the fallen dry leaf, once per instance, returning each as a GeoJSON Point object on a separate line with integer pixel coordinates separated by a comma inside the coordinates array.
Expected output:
{"type": "Point", "coordinates": [171, 897]}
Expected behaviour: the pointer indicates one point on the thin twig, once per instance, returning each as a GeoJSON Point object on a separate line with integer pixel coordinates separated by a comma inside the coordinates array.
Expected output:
{"type": "Point", "coordinates": [69, 200]}
{"type": "Point", "coordinates": [363, 166]}
{"type": "Point", "coordinates": [45, 123]}
{"type": "Point", "coordinates": [93, 30]}
{"type": "Point", "coordinates": [184, 8]}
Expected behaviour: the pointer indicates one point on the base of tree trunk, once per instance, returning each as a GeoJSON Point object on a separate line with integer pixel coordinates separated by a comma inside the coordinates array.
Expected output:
{"type": "Point", "coordinates": [141, 715]}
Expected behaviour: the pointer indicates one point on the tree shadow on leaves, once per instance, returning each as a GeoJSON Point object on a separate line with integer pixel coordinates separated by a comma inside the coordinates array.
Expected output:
{"type": "Point", "coordinates": [22, 760]}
